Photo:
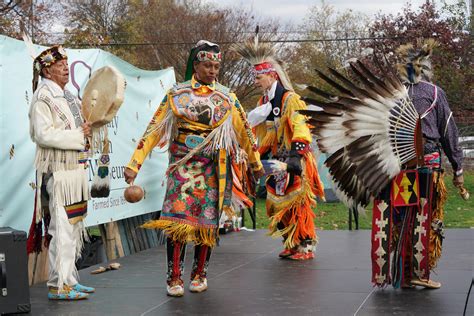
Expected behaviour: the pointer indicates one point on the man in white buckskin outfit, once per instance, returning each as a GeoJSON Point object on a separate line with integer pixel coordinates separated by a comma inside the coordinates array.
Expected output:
{"type": "Point", "coordinates": [60, 133]}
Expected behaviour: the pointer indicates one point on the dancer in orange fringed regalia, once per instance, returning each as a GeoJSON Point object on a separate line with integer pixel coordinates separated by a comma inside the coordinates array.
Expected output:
{"type": "Point", "coordinates": [283, 135]}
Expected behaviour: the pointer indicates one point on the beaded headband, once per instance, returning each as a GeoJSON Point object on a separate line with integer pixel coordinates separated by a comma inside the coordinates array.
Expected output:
{"type": "Point", "coordinates": [263, 68]}
{"type": "Point", "coordinates": [209, 56]}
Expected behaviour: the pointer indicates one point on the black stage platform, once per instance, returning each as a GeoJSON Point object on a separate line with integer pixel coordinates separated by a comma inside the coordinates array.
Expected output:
{"type": "Point", "coordinates": [247, 278]}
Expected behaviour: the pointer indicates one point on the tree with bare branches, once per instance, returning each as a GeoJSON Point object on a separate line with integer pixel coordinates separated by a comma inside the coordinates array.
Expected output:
{"type": "Point", "coordinates": [32, 16]}
{"type": "Point", "coordinates": [159, 34]}
{"type": "Point", "coordinates": [326, 26]}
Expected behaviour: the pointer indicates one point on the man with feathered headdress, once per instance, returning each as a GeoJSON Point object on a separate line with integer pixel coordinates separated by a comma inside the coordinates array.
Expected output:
{"type": "Point", "coordinates": [372, 130]}
{"type": "Point", "coordinates": [206, 129]}
{"type": "Point", "coordinates": [439, 133]}
{"type": "Point", "coordinates": [282, 134]}
{"type": "Point", "coordinates": [60, 133]}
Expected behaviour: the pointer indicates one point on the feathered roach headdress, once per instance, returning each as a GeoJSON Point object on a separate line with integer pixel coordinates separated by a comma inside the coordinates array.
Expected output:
{"type": "Point", "coordinates": [415, 64]}
{"type": "Point", "coordinates": [262, 56]}
{"type": "Point", "coordinates": [368, 130]}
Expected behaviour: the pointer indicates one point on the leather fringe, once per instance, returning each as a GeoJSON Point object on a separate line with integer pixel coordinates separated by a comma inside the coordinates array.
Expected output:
{"type": "Point", "coordinates": [297, 216]}
{"type": "Point", "coordinates": [436, 240]}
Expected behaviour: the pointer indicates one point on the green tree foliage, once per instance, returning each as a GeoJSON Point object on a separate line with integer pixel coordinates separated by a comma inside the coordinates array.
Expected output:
{"type": "Point", "coordinates": [98, 22]}
{"type": "Point", "coordinates": [332, 31]}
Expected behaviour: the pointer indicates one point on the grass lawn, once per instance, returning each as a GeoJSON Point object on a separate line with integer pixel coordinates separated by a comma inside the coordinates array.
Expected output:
{"type": "Point", "coordinates": [458, 213]}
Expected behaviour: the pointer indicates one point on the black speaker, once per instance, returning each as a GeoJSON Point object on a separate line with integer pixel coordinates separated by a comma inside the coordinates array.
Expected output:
{"type": "Point", "coordinates": [14, 288]}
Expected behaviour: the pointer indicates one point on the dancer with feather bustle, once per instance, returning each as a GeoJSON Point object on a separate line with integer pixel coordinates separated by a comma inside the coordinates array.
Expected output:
{"type": "Point", "coordinates": [383, 139]}
{"type": "Point", "coordinates": [439, 133]}
{"type": "Point", "coordinates": [282, 134]}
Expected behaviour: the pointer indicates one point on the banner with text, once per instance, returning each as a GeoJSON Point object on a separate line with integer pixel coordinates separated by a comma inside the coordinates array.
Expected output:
{"type": "Point", "coordinates": [145, 90]}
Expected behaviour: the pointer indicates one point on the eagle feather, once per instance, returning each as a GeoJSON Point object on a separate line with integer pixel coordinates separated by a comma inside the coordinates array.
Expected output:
{"type": "Point", "coordinates": [367, 129]}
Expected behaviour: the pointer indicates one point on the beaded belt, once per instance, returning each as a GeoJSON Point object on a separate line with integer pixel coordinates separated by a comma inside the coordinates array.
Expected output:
{"type": "Point", "coordinates": [191, 141]}
{"type": "Point", "coordinates": [433, 160]}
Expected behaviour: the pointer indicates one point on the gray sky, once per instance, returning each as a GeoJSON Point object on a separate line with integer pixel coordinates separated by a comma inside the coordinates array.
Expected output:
{"type": "Point", "coordinates": [295, 10]}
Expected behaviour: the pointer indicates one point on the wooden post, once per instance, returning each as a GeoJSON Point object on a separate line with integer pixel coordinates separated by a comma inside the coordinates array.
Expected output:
{"type": "Point", "coordinates": [110, 246]}
{"type": "Point", "coordinates": [112, 241]}
{"type": "Point", "coordinates": [107, 233]}
{"type": "Point", "coordinates": [38, 266]}
{"type": "Point", "coordinates": [118, 241]}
